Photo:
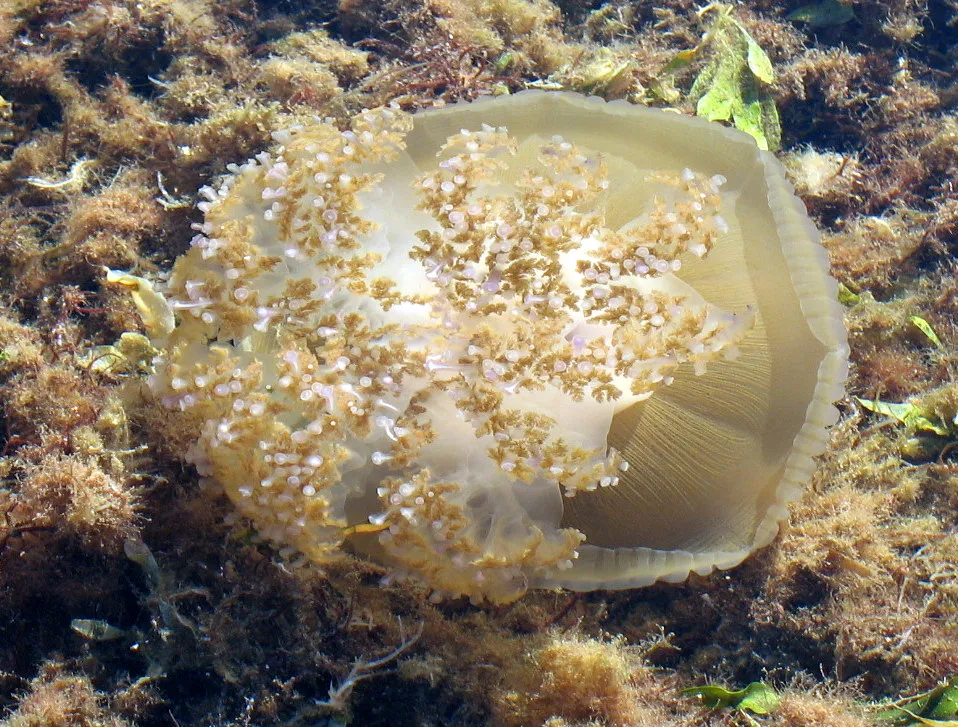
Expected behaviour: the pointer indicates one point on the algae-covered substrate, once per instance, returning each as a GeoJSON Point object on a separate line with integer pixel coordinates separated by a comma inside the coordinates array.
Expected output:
{"type": "Point", "coordinates": [131, 591]}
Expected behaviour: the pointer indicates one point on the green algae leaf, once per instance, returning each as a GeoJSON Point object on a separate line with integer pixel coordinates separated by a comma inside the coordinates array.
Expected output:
{"type": "Point", "coordinates": [944, 702]}
{"type": "Point", "coordinates": [937, 707]}
{"type": "Point", "coordinates": [901, 412]}
{"type": "Point", "coordinates": [930, 722]}
{"type": "Point", "coordinates": [503, 63]}
{"type": "Point", "coordinates": [846, 296]}
{"type": "Point", "coordinates": [823, 14]}
{"type": "Point", "coordinates": [759, 120]}
{"type": "Point", "coordinates": [925, 327]}
{"type": "Point", "coordinates": [716, 105]}
{"type": "Point", "coordinates": [757, 697]}
{"type": "Point", "coordinates": [733, 83]}
{"type": "Point", "coordinates": [947, 705]}
{"type": "Point", "coordinates": [758, 61]}
{"type": "Point", "coordinates": [908, 414]}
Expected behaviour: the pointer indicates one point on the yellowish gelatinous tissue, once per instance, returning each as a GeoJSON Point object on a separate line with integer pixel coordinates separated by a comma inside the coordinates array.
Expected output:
{"type": "Point", "coordinates": [535, 341]}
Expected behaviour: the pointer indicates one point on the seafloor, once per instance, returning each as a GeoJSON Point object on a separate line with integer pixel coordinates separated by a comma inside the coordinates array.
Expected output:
{"type": "Point", "coordinates": [128, 596]}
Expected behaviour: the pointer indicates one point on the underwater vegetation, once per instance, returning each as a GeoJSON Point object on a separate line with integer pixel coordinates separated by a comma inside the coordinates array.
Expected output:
{"type": "Point", "coordinates": [131, 593]}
